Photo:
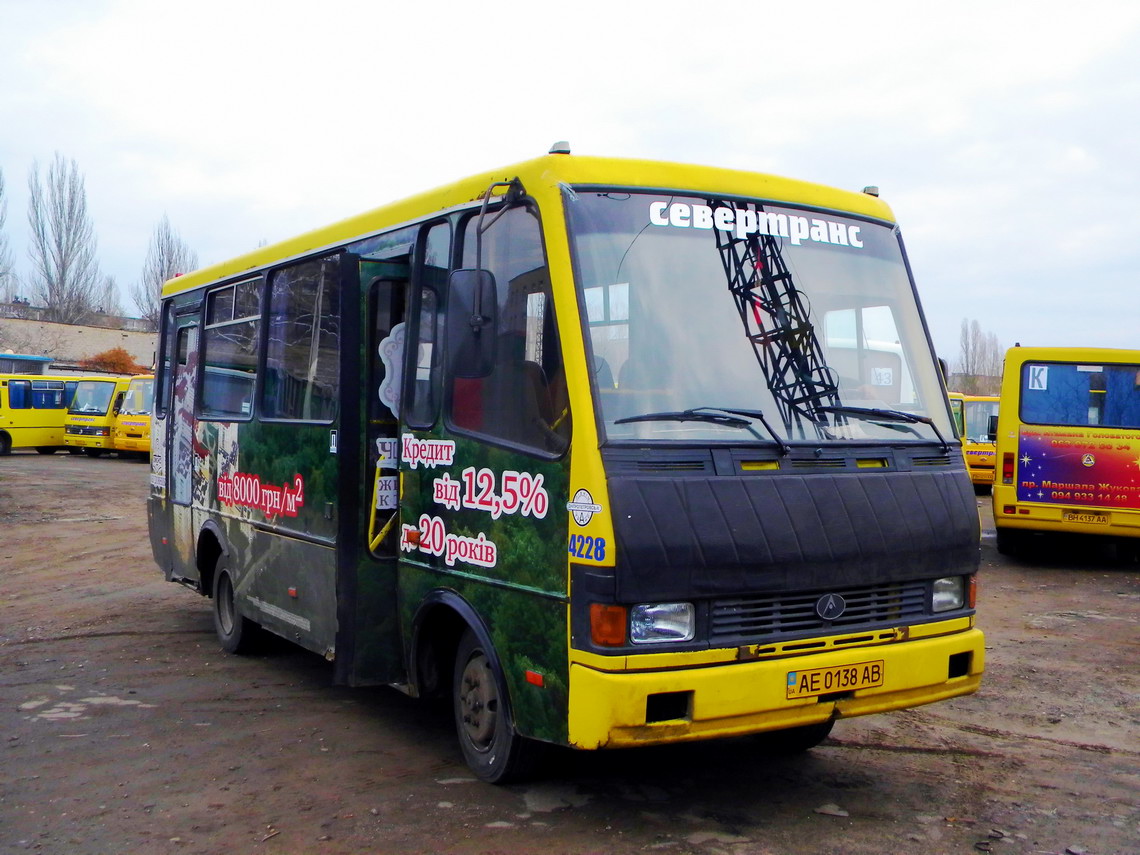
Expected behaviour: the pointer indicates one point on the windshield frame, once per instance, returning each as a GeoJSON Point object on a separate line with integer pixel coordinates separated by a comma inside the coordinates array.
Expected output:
{"type": "Point", "coordinates": [838, 426]}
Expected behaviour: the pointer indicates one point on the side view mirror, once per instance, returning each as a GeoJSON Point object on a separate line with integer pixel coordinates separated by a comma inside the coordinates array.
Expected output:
{"type": "Point", "coordinates": [472, 323]}
{"type": "Point", "coordinates": [944, 369]}
{"type": "Point", "coordinates": [991, 429]}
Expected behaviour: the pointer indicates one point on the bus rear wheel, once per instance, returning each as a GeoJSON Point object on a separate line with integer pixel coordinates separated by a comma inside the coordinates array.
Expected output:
{"type": "Point", "coordinates": [493, 750]}
{"type": "Point", "coordinates": [5, 444]}
{"type": "Point", "coordinates": [1009, 541]}
{"type": "Point", "coordinates": [235, 632]}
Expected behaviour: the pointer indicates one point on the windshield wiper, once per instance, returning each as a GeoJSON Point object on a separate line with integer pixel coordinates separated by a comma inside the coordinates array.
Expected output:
{"type": "Point", "coordinates": [759, 416]}
{"type": "Point", "coordinates": [716, 415]}
{"type": "Point", "coordinates": [887, 415]}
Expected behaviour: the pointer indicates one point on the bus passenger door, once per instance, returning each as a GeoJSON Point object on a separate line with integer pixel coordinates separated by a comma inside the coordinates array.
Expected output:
{"type": "Point", "coordinates": [180, 445]}
{"type": "Point", "coordinates": [386, 302]}
{"type": "Point", "coordinates": [369, 650]}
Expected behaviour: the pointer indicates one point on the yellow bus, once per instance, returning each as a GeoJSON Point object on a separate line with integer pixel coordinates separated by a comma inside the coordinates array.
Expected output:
{"type": "Point", "coordinates": [131, 430]}
{"type": "Point", "coordinates": [975, 416]}
{"type": "Point", "coordinates": [32, 411]}
{"type": "Point", "coordinates": [91, 416]}
{"type": "Point", "coordinates": [1068, 444]}
{"type": "Point", "coordinates": [609, 453]}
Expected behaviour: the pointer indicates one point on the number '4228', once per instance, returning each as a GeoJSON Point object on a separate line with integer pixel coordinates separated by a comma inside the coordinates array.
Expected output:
{"type": "Point", "coordinates": [588, 548]}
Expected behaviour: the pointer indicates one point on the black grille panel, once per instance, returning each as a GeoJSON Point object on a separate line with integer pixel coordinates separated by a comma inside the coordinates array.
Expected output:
{"type": "Point", "coordinates": [788, 614]}
{"type": "Point", "coordinates": [672, 465]}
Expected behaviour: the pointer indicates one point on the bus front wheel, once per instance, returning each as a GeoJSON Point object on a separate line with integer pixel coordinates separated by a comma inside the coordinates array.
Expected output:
{"type": "Point", "coordinates": [235, 632]}
{"type": "Point", "coordinates": [491, 747]}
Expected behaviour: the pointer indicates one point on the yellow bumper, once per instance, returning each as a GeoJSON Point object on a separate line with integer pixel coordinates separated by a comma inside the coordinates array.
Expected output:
{"type": "Point", "coordinates": [103, 442]}
{"type": "Point", "coordinates": [127, 444]}
{"type": "Point", "coordinates": [609, 709]}
{"type": "Point", "coordinates": [981, 476]}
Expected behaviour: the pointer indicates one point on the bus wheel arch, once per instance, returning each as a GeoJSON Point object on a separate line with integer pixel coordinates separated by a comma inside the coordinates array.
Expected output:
{"type": "Point", "coordinates": [440, 622]}
{"type": "Point", "coordinates": [494, 750]}
{"type": "Point", "coordinates": [210, 547]}
{"type": "Point", "coordinates": [453, 656]}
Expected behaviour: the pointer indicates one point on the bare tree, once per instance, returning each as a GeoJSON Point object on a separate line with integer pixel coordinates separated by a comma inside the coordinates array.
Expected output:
{"type": "Point", "coordinates": [978, 370]}
{"type": "Point", "coordinates": [65, 274]}
{"type": "Point", "coordinates": [166, 257]}
{"type": "Point", "coordinates": [107, 297]}
{"type": "Point", "coordinates": [8, 283]}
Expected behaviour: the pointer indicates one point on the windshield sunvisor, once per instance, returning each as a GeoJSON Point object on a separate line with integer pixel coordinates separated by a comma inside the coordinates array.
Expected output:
{"type": "Point", "coordinates": [698, 535]}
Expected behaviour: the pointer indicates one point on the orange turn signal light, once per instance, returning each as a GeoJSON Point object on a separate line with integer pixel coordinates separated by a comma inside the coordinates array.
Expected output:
{"type": "Point", "coordinates": [607, 625]}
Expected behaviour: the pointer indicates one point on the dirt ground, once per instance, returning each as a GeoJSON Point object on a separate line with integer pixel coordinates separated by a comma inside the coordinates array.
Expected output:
{"type": "Point", "coordinates": [125, 729]}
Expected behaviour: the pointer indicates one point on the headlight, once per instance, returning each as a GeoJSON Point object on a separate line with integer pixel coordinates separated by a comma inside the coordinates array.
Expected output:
{"type": "Point", "coordinates": [949, 593]}
{"type": "Point", "coordinates": [658, 623]}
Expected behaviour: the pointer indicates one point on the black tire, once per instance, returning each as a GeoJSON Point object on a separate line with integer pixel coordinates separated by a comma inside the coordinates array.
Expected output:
{"type": "Point", "coordinates": [1009, 541]}
{"type": "Point", "coordinates": [491, 747]}
{"type": "Point", "coordinates": [5, 444]}
{"type": "Point", "coordinates": [45, 449]}
{"type": "Point", "coordinates": [794, 740]}
{"type": "Point", "coordinates": [236, 633]}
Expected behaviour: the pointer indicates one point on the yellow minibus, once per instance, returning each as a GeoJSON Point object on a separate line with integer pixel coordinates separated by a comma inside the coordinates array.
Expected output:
{"type": "Point", "coordinates": [1068, 443]}
{"type": "Point", "coordinates": [91, 415]}
{"type": "Point", "coordinates": [607, 453]}
{"type": "Point", "coordinates": [131, 431]}
{"type": "Point", "coordinates": [32, 411]}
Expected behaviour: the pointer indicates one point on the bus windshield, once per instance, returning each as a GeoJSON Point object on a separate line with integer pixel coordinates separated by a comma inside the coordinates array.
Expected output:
{"type": "Point", "coordinates": [804, 320]}
{"type": "Point", "coordinates": [977, 419]}
{"type": "Point", "coordinates": [140, 394]}
{"type": "Point", "coordinates": [92, 396]}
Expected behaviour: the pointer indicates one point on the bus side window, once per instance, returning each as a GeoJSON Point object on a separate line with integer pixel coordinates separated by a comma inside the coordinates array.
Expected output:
{"type": "Point", "coordinates": [428, 333]}
{"type": "Point", "coordinates": [229, 350]}
{"type": "Point", "coordinates": [524, 399]}
{"type": "Point", "coordinates": [163, 383]}
{"type": "Point", "coordinates": [19, 395]}
{"type": "Point", "coordinates": [423, 398]}
{"type": "Point", "coordinates": [302, 360]}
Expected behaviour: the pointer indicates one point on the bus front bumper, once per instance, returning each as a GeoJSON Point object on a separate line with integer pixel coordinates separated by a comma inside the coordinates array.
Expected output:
{"type": "Point", "coordinates": [75, 441]}
{"type": "Point", "coordinates": [129, 444]}
{"type": "Point", "coordinates": [613, 709]}
{"type": "Point", "coordinates": [981, 475]}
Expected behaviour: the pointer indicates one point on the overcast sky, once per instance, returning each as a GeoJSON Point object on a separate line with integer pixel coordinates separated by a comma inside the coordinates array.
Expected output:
{"type": "Point", "coordinates": [1004, 135]}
